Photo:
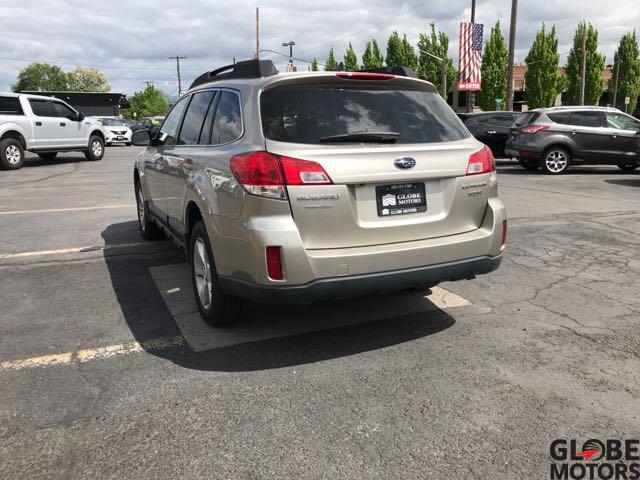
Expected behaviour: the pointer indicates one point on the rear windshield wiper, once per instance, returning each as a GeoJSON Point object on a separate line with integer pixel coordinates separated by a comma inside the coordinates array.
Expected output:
{"type": "Point", "coordinates": [378, 137]}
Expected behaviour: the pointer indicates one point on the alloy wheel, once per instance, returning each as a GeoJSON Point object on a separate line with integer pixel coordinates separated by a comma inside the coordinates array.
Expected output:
{"type": "Point", "coordinates": [13, 154]}
{"type": "Point", "coordinates": [202, 273]}
{"type": "Point", "coordinates": [96, 148]}
{"type": "Point", "coordinates": [556, 161]}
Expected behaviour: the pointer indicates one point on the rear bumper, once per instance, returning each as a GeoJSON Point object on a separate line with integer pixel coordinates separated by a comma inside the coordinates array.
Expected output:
{"type": "Point", "coordinates": [358, 285]}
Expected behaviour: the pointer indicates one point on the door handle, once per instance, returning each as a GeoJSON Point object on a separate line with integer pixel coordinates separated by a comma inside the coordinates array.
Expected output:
{"type": "Point", "coordinates": [573, 132]}
{"type": "Point", "coordinates": [614, 136]}
{"type": "Point", "coordinates": [62, 124]}
{"type": "Point", "coordinates": [492, 132]}
{"type": "Point", "coordinates": [38, 124]}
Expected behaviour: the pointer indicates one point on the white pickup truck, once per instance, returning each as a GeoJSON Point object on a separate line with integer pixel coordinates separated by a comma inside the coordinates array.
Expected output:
{"type": "Point", "coordinates": [45, 126]}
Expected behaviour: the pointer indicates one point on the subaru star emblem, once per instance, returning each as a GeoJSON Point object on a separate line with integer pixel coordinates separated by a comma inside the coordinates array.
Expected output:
{"type": "Point", "coordinates": [404, 162]}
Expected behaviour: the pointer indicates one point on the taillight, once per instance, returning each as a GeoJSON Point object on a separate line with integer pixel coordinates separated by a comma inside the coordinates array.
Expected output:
{"type": "Point", "coordinates": [534, 128]}
{"type": "Point", "coordinates": [481, 162]}
{"type": "Point", "coordinates": [274, 263]}
{"type": "Point", "coordinates": [364, 76]}
{"type": "Point", "coordinates": [504, 234]}
{"type": "Point", "coordinates": [265, 174]}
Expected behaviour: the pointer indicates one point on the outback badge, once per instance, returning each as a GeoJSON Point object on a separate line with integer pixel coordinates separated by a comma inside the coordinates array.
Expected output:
{"type": "Point", "coordinates": [404, 162]}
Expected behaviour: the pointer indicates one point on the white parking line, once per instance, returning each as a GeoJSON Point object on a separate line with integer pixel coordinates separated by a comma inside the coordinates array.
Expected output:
{"type": "Point", "coordinates": [74, 209]}
{"type": "Point", "coordinates": [62, 251]}
{"type": "Point", "coordinates": [87, 354]}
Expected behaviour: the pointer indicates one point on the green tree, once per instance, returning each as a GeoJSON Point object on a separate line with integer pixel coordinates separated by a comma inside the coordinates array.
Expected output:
{"type": "Point", "coordinates": [495, 63]}
{"type": "Point", "coordinates": [429, 68]}
{"type": "Point", "coordinates": [149, 102]}
{"type": "Point", "coordinates": [82, 79]}
{"type": "Point", "coordinates": [594, 84]}
{"type": "Point", "coordinates": [39, 76]}
{"type": "Point", "coordinates": [350, 59]}
{"type": "Point", "coordinates": [395, 51]}
{"type": "Point", "coordinates": [372, 57]}
{"type": "Point", "coordinates": [627, 55]}
{"type": "Point", "coordinates": [314, 64]}
{"type": "Point", "coordinates": [410, 58]}
{"type": "Point", "coordinates": [543, 82]}
{"type": "Point", "coordinates": [331, 64]}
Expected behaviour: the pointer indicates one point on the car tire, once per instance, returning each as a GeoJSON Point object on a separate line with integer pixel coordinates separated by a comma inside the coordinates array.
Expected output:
{"type": "Point", "coordinates": [529, 165]}
{"type": "Point", "coordinates": [48, 155]}
{"type": "Point", "coordinates": [128, 144]}
{"type": "Point", "coordinates": [148, 228]}
{"type": "Point", "coordinates": [11, 154]}
{"type": "Point", "coordinates": [628, 166]}
{"type": "Point", "coordinates": [95, 149]}
{"type": "Point", "coordinates": [556, 161]}
{"type": "Point", "coordinates": [215, 307]}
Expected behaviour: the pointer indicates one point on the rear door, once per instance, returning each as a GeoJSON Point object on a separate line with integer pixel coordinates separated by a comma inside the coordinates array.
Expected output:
{"type": "Point", "coordinates": [47, 130]}
{"type": "Point", "coordinates": [624, 131]}
{"type": "Point", "coordinates": [590, 136]}
{"type": "Point", "coordinates": [382, 192]}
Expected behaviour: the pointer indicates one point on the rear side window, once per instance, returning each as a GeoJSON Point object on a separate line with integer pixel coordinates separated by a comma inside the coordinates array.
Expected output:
{"type": "Point", "coordinates": [227, 125]}
{"type": "Point", "coordinates": [10, 106]}
{"type": "Point", "coordinates": [42, 108]}
{"type": "Point", "coordinates": [563, 118]}
{"type": "Point", "coordinates": [526, 118]}
{"type": "Point", "coordinates": [587, 119]}
{"type": "Point", "coordinates": [194, 118]}
{"type": "Point", "coordinates": [306, 114]}
{"type": "Point", "coordinates": [502, 120]}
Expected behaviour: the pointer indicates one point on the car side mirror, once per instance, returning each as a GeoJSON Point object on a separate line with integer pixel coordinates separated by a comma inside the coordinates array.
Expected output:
{"type": "Point", "coordinates": [141, 138]}
{"type": "Point", "coordinates": [80, 117]}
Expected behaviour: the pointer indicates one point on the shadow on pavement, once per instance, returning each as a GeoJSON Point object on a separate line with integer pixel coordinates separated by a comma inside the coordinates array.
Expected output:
{"type": "Point", "coordinates": [271, 336]}
{"type": "Point", "coordinates": [574, 170]}
{"type": "Point", "coordinates": [36, 161]}
{"type": "Point", "coordinates": [626, 182]}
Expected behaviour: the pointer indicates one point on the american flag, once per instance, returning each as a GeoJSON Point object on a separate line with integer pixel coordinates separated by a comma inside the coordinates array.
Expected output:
{"type": "Point", "coordinates": [470, 56]}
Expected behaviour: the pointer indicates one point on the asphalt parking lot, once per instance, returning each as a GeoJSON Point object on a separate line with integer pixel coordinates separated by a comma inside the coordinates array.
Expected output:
{"type": "Point", "coordinates": [107, 372]}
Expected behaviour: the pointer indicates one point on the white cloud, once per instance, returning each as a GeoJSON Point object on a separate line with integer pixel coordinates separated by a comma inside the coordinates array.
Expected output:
{"type": "Point", "coordinates": [131, 41]}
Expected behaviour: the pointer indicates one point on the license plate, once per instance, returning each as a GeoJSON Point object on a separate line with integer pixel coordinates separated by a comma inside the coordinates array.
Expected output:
{"type": "Point", "coordinates": [120, 137]}
{"type": "Point", "coordinates": [400, 199]}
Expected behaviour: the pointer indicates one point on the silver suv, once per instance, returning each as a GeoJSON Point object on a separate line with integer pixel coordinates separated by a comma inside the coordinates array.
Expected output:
{"type": "Point", "coordinates": [290, 188]}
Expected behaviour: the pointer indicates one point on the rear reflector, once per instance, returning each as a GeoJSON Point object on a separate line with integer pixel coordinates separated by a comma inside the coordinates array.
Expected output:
{"type": "Point", "coordinates": [504, 234]}
{"type": "Point", "coordinates": [274, 263]}
{"type": "Point", "coordinates": [481, 162]}
{"type": "Point", "coordinates": [365, 76]}
{"type": "Point", "coordinates": [265, 174]}
{"type": "Point", "coordinates": [534, 128]}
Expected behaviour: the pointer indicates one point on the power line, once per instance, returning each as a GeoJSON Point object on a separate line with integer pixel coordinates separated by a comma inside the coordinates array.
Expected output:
{"type": "Point", "coordinates": [287, 56]}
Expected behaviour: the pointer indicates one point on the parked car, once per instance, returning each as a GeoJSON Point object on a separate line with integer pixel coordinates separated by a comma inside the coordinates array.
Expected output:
{"type": "Point", "coordinates": [555, 138]}
{"type": "Point", "coordinates": [45, 126]}
{"type": "Point", "coordinates": [491, 128]}
{"type": "Point", "coordinates": [295, 187]}
{"type": "Point", "coordinates": [147, 123]}
{"type": "Point", "coordinates": [117, 130]}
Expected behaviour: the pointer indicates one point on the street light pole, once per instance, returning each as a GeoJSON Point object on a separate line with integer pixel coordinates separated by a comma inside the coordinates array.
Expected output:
{"type": "Point", "coordinates": [443, 72]}
{"type": "Point", "coordinates": [290, 45]}
{"type": "Point", "coordinates": [583, 65]}
{"type": "Point", "coordinates": [512, 47]}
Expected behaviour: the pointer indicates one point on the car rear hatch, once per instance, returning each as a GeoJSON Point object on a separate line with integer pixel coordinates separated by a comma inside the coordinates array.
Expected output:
{"type": "Point", "coordinates": [395, 155]}
{"type": "Point", "coordinates": [522, 121]}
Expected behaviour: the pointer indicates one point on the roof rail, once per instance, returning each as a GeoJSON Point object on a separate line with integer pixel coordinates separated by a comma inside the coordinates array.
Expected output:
{"type": "Point", "coordinates": [399, 71]}
{"type": "Point", "coordinates": [244, 69]}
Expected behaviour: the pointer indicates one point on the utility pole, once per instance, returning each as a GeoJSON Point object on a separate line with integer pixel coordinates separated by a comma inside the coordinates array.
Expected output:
{"type": "Point", "coordinates": [583, 66]}
{"type": "Point", "coordinates": [615, 92]}
{"type": "Point", "coordinates": [471, 95]}
{"type": "Point", "coordinates": [512, 47]}
{"type": "Point", "coordinates": [257, 33]}
{"type": "Point", "coordinates": [177, 59]}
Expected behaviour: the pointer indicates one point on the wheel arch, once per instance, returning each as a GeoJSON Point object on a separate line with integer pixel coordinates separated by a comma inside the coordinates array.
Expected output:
{"type": "Point", "coordinates": [97, 133]}
{"type": "Point", "coordinates": [15, 134]}
{"type": "Point", "coordinates": [559, 144]}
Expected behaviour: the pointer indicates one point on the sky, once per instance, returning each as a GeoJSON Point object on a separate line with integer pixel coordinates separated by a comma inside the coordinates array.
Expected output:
{"type": "Point", "coordinates": [131, 41]}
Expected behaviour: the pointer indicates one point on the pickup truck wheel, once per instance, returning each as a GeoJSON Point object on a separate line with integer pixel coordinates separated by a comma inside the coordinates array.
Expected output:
{"type": "Point", "coordinates": [11, 154]}
{"type": "Point", "coordinates": [96, 148]}
{"type": "Point", "coordinates": [148, 228]}
{"type": "Point", "coordinates": [215, 307]}
{"type": "Point", "coordinates": [48, 155]}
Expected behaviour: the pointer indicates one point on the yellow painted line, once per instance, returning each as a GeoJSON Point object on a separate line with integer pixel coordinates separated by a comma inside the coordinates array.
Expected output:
{"type": "Point", "coordinates": [61, 251]}
{"type": "Point", "coordinates": [74, 209]}
{"type": "Point", "coordinates": [88, 354]}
